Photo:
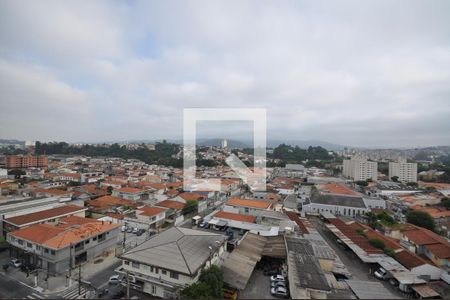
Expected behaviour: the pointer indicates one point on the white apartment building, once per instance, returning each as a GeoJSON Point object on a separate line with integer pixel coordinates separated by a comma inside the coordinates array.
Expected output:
{"type": "Point", "coordinates": [405, 171]}
{"type": "Point", "coordinates": [360, 169]}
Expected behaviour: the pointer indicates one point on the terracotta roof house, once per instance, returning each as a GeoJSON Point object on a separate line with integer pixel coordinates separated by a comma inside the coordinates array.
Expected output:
{"type": "Point", "coordinates": [45, 216]}
{"type": "Point", "coordinates": [53, 246]}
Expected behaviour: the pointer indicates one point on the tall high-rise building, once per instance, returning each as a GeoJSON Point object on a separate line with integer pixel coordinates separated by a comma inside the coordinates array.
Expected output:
{"type": "Point", "coordinates": [224, 143]}
{"type": "Point", "coordinates": [405, 171]}
{"type": "Point", "coordinates": [360, 169]}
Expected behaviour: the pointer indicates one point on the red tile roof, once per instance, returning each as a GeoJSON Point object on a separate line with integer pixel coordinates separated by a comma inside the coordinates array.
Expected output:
{"type": "Point", "coordinates": [337, 189]}
{"type": "Point", "coordinates": [409, 259]}
{"type": "Point", "coordinates": [249, 203]}
{"type": "Point", "coordinates": [62, 235]}
{"type": "Point", "coordinates": [44, 215]}
{"type": "Point", "coordinates": [129, 190]}
{"type": "Point", "coordinates": [106, 202]}
{"type": "Point", "coordinates": [191, 196]}
{"type": "Point", "coordinates": [151, 211]}
{"type": "Point", "coordinates": [441, 251]}
{"type": "Point", "coordinates": [294, 217]}
{"type": "Point", "coordinates": [235, 217]}
{"type": "Point", "coordinates": [171, 204]}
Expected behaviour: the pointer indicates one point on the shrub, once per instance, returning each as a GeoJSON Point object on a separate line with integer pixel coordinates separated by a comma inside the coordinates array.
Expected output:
{"type": "Point", "coordinates": [377, 243]}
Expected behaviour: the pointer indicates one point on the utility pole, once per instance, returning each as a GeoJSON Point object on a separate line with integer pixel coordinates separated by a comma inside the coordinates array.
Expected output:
{"type": "Point", "coordinates": [128, 285]}
{"type": "Point", "coordinates": [79, 279]}
{"type": "Point", "coordinates": [124, 237]}
{"type": "Point", "coordinates": [70, 264]}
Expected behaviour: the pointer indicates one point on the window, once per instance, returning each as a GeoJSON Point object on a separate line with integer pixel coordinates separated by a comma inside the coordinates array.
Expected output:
{"type": "Point", "coordinates": [246, 210]}
{"type": "Point", "coordinates": [94, 238]}
{"type": "Point", "coordinates": [174, 275]}
{"type": "Point", "coordinates": [38, 247]}
{"type": "Point", "coordinates": [87, 241]}
{"type": "Point", "coordinates": [101, 237]}
{"type": "Point", "coordinates": [153, 289]}
{"type": "Point", "coordinates": [20, 242]}
{"type": "Point", "coordinates": [135, 265]}
{"type": "Point", "coordinates": [52, 252]}
{"type": "Point", "coordinates": [45, 250]}
{"type": "Point", "coordinates": [164, 272]}
{"type": "Point", "coordinates": [126, 262]}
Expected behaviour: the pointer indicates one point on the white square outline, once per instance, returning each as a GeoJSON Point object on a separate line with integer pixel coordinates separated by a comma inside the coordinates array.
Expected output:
{"type": "Point", "coordinates": [190, 118]}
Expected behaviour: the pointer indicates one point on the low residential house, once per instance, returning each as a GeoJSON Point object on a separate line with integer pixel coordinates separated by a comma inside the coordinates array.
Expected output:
{"type": "Point", "coordinates": [91, 177]}
{"type": "Point", "coordinates": [429, 244]}
{"type": "Point", "coordinates": [149, 217]}
{"type": "Point", "coordinates": [247, 206]}
{"type": "Point", "coordinates": [57, 247]}
{"type": "Point", "coordinates": [172, 260]}
{"type": "Point", "coordinates": [70, 177]}
{"type": "Point", "coordinates": [199, 198]}
{"type": "Point", "coordinates": [52, 215]}
{"type": "Point", "coordinates": [130, 193]}
{"type": "Point", "coordinates": [112, 183]}
{"type": "Point", "coordinates": [106, 204]}
{"type": "Point", "coordinates": [173, 208]}
{"type": "Point", "coordinates": [39, 193]}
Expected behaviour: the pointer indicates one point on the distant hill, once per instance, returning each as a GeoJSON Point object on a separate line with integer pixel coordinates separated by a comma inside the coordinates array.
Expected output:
{"type": "Point", "coordinates": [233, 144]}
{"type": "Point", "coordinates": [305, 144]}
{"type": "Point", "coordinates": [11, 141]}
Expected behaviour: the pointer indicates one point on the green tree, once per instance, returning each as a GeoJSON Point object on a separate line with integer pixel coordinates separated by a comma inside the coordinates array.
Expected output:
{"type": "Point", "coordinates": [213, 277]}
{"type": "Point", "coordinates": [109, 190]}
{"type": "Point", "coordinates": [209, 286]}
{"type": "Point", "coordinates": [198, 290]}
{"type": "Point", "coordinates": [445, 202]}
{"type": "Point", "coordinates": [420, 218]}
{"type": "Point", "coordinates": [17, 173]}
{"type": "Point", "coordinates": [190, 206]}
{"type": "Point", "coordinates": [361, 183]}
{"type": "Point", "coordinates": [377, 243]}
{"type": "Point", "coordinates": [394, 178]}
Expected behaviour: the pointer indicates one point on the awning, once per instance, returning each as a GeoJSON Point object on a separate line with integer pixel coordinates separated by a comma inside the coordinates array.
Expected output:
{"type": "Point", "coordinates": [238, 266]}
{"type": "Point", "coordinates": [425, 291]}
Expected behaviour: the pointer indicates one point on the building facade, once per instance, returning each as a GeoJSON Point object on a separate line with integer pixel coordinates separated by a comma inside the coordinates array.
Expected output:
{"type": "Point", "coordinates": [406, 172]}
{"type": "Point", "coordinates": [360, 169]}
{"type": "Point", "coordinates": [26, 161]}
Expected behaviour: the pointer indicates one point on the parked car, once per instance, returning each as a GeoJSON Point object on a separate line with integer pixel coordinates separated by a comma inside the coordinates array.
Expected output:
{"type": "Point", "coordinates": [102, 292]}
{"type": "Point", "coordinates": [277, 278]}
{"type": "Point", "coordinates": [279, 292]}
{"type": "Point", "coordinates": [118, 295]}
{"type": "Point", "coordinates": [115, 279]}
{"type": "Point", "coordinates": [135, 230]}
{"type": "Point", "coordinates": [203, 224]}
{"type": "Point", "coordinates": [381, 274]}
{"type": "Point", "coordinates": [275, 284]}
{"type": "Point", "coordinates": [270, 272]}
{"type": "Point", "coordinates": [16, 263]}
{"type": "Point", "coordinates": [129, 229]}
{"type": "Point", "coordinates": [140, 232]}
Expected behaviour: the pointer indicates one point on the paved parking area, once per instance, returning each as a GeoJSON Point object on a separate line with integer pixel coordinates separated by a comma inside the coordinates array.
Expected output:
{"type": "Point", "coordinates": [258, 287]}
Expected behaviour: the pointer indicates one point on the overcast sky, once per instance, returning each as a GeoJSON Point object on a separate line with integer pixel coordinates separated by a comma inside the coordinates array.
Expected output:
{"type": "Point", "coordinates": [367, 73]}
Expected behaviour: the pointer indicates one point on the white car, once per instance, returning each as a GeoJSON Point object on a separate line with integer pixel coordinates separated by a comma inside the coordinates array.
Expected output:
{"type": "Point", "coordinates": [135, 230]}
{"type": "Point", "coordinates": [276, 284]}
{"type": "Point", "coordinates": [277, 278]}
{"type": "Point", "coordinates": [16, 263]}
{"type": "Point", "coordinates": [380, 273]}
{"type": "Point", "coordinates": [115, 279]}
{"type": "Point", "coordinates": [123, 228]}
{"type": "Point", "coordinates": [279, 292]}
